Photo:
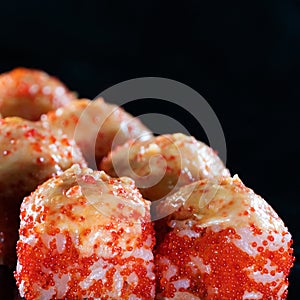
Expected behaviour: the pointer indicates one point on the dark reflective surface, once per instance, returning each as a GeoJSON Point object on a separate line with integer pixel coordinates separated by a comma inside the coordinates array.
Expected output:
{"type": "Point", "coordinates": [7, 284]}
{"type": "Point", "coordinates": [294, 283]}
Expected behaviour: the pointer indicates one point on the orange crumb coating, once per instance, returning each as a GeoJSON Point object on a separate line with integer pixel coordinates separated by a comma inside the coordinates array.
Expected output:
{"type": "Point", "coordinates": [29, 93]}
{"type": "Point", "coordinates": [97, 126]}
{"type": "Point", "coordinates": [224, 242]}
{"type": "Point", "coordinates": [84, 235]}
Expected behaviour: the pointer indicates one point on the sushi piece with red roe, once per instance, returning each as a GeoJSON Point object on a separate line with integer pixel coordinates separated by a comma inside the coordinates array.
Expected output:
{"type": "Point", "coordinates": [97, 127]}
{"type": "Point", "coordinates": [30, 153]}
{"type": "Point", "coordinates": [163, 164]}
{"type": "Point", "coordinates": [85, 235]}
{"type": "Point", "coordinates": [29, 93]}
{"type": "Point", "coordinates": [225, 242]}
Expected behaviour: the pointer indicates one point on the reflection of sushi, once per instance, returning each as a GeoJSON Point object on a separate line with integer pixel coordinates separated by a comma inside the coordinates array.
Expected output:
{"type": "Point", "coordinates": [225, 243]}
{"type": "Point", "coordinates": [85, 235]}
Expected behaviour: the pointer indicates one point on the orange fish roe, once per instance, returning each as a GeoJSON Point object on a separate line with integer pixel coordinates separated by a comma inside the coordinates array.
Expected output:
{"type": "Point", "coordinates": [214, 250]}
{"type": "Point", "coordinates": [43, 264]}
{"type": "Point", "coordinates": [213, 267]}
{"type": "Point", "coordinates": [78, 242]}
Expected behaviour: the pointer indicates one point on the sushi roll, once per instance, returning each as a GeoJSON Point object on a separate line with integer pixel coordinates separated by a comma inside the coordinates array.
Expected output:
{"type": "Point", "coordinates": [97, 126]}
{"type": "Point", "coordinates": [29, 93]}
{"type": "Point", "coordinates": [224, 242]}
{"type": "Point", "coordinates": [162, 164]}
{"type": "Point", "coordinates": [30, 153]}
{"type": "Point", "coordinates": [85, 235]}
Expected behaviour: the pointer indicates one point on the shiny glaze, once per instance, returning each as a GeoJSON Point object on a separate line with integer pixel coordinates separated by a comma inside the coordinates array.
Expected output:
{"type": "Point", "coordinates": [29, 93]}
{"type": "Point", "coordinates": [163, 164]}
{"type": "Point", "coordinates": [97, 126]}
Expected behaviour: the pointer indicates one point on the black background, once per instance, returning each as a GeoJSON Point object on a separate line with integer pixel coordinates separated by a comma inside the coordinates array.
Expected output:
{"type": "Point", "coordinates": [241, 56]}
